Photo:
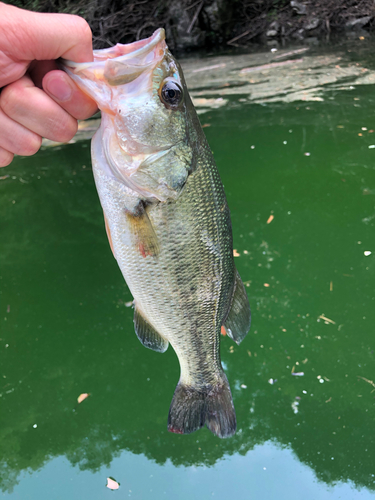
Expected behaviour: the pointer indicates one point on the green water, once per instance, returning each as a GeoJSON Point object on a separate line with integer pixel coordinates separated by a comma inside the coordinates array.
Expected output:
{"type": "Point", "coordinates": [65, 328]}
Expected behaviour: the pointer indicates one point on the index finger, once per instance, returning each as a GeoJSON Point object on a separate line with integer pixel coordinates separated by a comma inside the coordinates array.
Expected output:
{"type": "Point", "coordinates": [33, 35]}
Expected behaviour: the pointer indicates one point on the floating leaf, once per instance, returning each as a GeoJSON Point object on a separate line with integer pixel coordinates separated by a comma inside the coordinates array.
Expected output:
{"type": "Point", "coordinates": [82, 397]}
{"type": "Point", "coordinates": [112, 484]}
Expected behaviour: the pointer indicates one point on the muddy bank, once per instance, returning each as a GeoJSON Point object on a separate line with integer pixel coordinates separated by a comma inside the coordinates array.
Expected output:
{"type": "Point", "coordinates": [197, 24]}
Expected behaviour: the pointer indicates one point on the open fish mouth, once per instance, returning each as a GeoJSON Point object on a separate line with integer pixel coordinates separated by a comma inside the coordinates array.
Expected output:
{"type": "Point", "coordinates": [122, 63]}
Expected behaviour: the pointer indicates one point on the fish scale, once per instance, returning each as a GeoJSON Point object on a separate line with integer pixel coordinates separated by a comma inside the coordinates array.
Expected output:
{"type": "Point", "coordinates": [168, 223]}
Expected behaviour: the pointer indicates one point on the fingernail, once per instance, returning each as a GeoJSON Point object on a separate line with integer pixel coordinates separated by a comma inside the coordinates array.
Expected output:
{"type": "Point", "coordinates": [59, 89]}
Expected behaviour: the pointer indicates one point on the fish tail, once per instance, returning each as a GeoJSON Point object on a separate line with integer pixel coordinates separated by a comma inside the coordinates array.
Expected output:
{"type": "Point", "coordinates": [192, 408]}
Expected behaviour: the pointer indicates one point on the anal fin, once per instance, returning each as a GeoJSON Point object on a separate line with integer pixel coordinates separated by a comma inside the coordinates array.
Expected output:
{"type": "Point", "coordinates": [237, 323]}
{"type": "Point", "coordinates": [147, 334]}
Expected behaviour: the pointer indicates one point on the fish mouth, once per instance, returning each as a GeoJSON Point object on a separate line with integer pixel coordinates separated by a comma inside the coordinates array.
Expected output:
{"type": "Point", "coordinates": [120, 64]}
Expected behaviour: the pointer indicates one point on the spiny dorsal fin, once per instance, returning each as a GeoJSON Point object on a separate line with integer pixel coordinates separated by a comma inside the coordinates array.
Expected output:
{"type": "Point", "coordinates": [238, 320]}
{"type": "Point", "coordinates": [147, 334]}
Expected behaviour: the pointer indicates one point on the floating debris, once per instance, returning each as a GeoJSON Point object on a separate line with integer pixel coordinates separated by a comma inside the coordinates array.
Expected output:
{"type": "Point", "coordinates": [3, 177]}
{"type": "Point", "coordinates": [223, 331]}
{"type": "Point", "coordinates": [112, 484]}
{"type": "Point", "coordinates": [270, 219]}
{"type": "Point", "coordinates": [327, 320]}
{"type": "Point", "coordinates": [213, 103]}
{"type": "Point", "coordinates": [235, 253]}
{"type": "Point", "coordinates": [129, 304]}
{"type": "Point", "coordinates": [298, 374]}
{"type": "Point", "coordinates": [82, 397]}
{"type": "Point", "coordinates": [205, 68]}
{"type": "Point", "coordinates": [367, 253]}
{"type": "Point", "coordinates": [295, 407]}
{"type": "Point", "coordinates": [272, 381]}
{"type": "Point", "coordinates": [367, 380]}
{"type": "Point", "coordinates": [265, 67]}
{"type": "Point", "coordinates": [243, 386]}
{"type": "Point", "coordinates": [307, 154]}
{"type": "Point", "coordinates": [266, 285]}
{"type": "Point", "coordinates": [292, 52]}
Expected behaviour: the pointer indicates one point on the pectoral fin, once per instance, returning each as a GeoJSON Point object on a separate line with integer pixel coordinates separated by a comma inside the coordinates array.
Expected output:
{"type": "Point", "coordinates": [144, 235]}
{"type": "Point", "coordinates": [147, 334]}
{"type": "Point", "coordinates": [108, 231]}
{"type": "Point", "coordinates": [237, 323]}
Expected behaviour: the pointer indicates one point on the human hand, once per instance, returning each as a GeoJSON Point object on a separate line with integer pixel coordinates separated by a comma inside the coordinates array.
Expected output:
{"type": "Point", "coordinates": [36, 99]}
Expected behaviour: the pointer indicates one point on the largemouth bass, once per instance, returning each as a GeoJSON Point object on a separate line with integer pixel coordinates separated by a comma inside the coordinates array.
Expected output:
{"type": "Point", "coordinates": [167, 222]}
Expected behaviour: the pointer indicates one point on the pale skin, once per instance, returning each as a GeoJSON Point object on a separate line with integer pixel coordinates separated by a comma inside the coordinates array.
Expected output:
{"type": "Point", "coordinates": [37, 100]}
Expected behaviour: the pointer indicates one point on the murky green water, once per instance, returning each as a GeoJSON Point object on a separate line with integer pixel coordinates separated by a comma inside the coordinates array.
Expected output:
{"type": "Point", "coordinates": [65, 328]}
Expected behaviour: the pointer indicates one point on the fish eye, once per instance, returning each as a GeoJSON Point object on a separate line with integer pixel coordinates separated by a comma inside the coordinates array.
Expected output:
{"type": "Point", "coordinates": [171, 94]}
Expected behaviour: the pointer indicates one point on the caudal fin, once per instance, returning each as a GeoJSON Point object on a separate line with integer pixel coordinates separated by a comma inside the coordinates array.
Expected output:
{"type": "Point", "coordinates": [192, 408]}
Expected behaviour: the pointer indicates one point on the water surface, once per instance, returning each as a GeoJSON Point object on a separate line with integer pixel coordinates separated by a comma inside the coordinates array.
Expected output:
{"type": "Point", "coordinates": [303, 380]}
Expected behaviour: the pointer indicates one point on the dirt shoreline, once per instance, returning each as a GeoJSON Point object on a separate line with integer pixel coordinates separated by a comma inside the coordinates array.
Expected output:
{"type": "Point", "coordinates": [199, 24]}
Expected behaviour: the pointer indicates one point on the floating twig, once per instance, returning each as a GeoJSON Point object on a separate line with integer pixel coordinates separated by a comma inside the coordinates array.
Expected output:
{"type": "Point", "coordinates": [367, 380]}
{"type": "Point", "coordinates": [327, 319]}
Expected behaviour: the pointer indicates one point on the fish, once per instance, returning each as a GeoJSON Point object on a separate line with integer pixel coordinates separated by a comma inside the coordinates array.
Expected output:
{"type": "Point", "coordinates": [167, 221]}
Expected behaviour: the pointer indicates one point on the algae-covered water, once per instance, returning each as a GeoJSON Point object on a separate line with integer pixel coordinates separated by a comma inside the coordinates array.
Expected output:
{"type": "Point", "coordinates": [299, 173]}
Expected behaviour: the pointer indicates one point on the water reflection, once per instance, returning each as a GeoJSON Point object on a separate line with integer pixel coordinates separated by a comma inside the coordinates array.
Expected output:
{"type": "Point", "coordinates": [270, 466]}
{"type": "Point", "coordinates": [65, 329]}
